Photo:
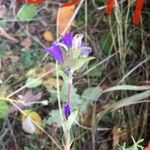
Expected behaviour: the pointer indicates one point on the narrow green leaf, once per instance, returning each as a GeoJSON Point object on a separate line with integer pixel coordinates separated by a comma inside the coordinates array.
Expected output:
{"type": "Point", "coordinates": [127, 87]}
{"type": "Point", "coordinates": [130, 100]}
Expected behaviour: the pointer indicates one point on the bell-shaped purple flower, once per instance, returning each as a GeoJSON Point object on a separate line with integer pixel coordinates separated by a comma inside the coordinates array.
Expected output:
{"type": "Point", "coordinates": [67, 39]}
{"type": "Point", "coordinates": [69, 47]}
{"type": "Point", "coordinates": [67, 111]}
{"type": "Point", "coordinates": [55, 52]}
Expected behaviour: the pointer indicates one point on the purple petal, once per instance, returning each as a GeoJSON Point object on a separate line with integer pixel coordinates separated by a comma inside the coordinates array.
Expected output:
{"type": "Point", "coordinates": [67, 111]}
{"type": "Point", "coordinates": [55, 52]}
{"type": "Point", "coordinates": [85, 51]}
{"type": "Point", "coordinates": [67, 39]}
{"type": "Point", "coordinates": [68, 70]}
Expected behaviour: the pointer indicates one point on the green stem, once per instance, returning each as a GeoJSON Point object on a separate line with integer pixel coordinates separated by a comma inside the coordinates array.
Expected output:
{"type": "Point", "coordinates": [69, 92]}
{"type": "Point", "coordinates": [67, 146]}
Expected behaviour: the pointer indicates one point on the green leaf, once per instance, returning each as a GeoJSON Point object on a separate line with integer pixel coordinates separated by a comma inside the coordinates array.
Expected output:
{"type": "Point", "coordinates": [105, 43]}
{"type": "Point", "coordinates": [71, 119]}
{"type": "Point", "coordinates": [3, 108]}
{"type": "Point", "coordinates": [30, 58]}
{"type": "Point", "coordinates": [127, 87]}
{"type": "Point", "coordinates": [92, 94]}
{"type": "Point", "coordinates": [33, 82]}
{"type": "Point", "coordinates": [97, 71]}
{"type": "Point", "coordinates": [62, 74]}
{"type": "Point", "coordinates": [54, 118]}
{"type": "Point", "coordinates": [84, 106]}
{"type": "Point", "coordinates": [89, 95]}
{"type": "Point", "coordinates": [2, 23]}
{"type": "Point", "coordinates": [27, 12]}
{"type": "Point", "coordinates": [80, 62]}
{"type": "Point", "coordinates": [4, 48]}
{"type": "Point", "coordinates": [75, 98]}
{"type": "Point", "coordinates": [129, 100]}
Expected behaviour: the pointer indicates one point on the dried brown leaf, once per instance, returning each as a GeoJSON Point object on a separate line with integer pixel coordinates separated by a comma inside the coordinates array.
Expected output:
{"type": "Point", "coordinates": [27, 42]}
{"type": "Point", "coordinates": [52, 82]}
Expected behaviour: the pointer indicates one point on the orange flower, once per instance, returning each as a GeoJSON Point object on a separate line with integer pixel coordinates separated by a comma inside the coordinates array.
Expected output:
{"type": "Point", "coordinates": [137, 12]}
{"type": "Point", "coordinates": [72, 2]}
{"type": "Point", "coordinates": [35, 1]}
{"type": "Point", "coordinates": [30, 1]}
{"type": "Point", "coordinates": [109, 7]}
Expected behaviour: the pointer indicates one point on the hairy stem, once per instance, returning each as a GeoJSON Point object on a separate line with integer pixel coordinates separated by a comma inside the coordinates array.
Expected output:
{"type": "Point", "coordinates": [69, 92]}
{"type": "Point", "coordinates": [67, 146]}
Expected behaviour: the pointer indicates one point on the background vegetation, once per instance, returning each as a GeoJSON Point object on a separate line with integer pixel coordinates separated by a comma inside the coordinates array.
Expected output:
{"type": "Point", "coordinates": [111, 92]}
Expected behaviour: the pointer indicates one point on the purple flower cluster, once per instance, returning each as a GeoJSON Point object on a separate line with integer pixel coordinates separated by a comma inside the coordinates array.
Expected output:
{"type": "Point", "coordinates": [68, 42]}
{"type": "Point", "coordinates": [71, 52]}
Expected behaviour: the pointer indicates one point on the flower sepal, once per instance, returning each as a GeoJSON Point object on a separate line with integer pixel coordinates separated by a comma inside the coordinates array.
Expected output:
{"type": "Point", "coordinates": [80, 62]}
{"type": "Point", "coordinates": [71, 119]}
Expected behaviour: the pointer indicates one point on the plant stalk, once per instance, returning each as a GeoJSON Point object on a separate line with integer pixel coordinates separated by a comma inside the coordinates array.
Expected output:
{"type": "Point", "coordinates": [69, 92]}
{"type": "Point", "coordinates": [67, 146]}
